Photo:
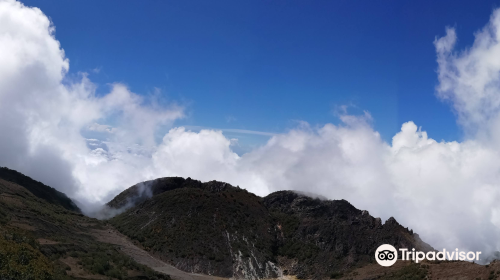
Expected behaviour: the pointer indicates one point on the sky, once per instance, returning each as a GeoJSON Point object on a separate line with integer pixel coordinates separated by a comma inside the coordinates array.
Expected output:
{"type": "Point", "coordinates": [394, 107]}
{"type": "Point", "coordinates": [262, 66]}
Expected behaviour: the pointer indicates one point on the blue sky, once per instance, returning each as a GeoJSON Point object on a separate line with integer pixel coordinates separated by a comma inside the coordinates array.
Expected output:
{"type": "Point", "coordinates": [263, 65]}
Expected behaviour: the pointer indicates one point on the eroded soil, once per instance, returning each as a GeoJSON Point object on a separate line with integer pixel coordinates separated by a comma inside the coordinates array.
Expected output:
{"type": "Point", "coordinates": [112, 236]}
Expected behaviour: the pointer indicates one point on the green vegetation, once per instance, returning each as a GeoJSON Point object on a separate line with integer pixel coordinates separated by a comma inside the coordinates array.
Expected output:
{"type": "Point", "coordinates": [210, 226]}
{"type": "Point", "coordinates": [336, 275]}
{"type": "Point", "coordinates": [292, 247]}
{"type": "Point", "coordinates": [24, 218]}
{"type": "Point", "coordinates": [105, 260]}
{"type": "Point", "coordinates": [177, 224]}
{"type": "Point", "coordinates": [4, 218]}
{"type": "Point", "coordinates": [21, 259]}
{"type": "Point", "coordinates": [412, 271]}
{"type": "Point", "coordinates": [38, 189]}
{"type": "Point", "coordinates": [289, 223]}
{"type": "Point", "coordinates": [299, 250]}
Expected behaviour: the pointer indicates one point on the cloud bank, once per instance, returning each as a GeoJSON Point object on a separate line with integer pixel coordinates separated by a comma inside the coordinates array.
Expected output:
{"type": "Point", "coordinates": [60, 132]}
{"type": "Point", "coordinates": [44, 114]}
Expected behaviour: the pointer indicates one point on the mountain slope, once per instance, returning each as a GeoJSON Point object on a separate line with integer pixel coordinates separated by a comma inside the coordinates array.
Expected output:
{"type": "Point", "coordinates": [215, 228]}
{"type": "Point", "coordinates": [210, 228]}
{"type": "Point", "coordinates": [42, 240]}
{"type": "Point", "coordinates": [328, 236]}
{"type": "Point", "coordinates": [207, 228]}
{"type": "Point", "coordinates": [40, 190]}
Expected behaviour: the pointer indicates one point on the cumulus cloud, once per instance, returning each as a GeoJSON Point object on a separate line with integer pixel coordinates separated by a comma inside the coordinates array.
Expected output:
{"type": "Point", "coordinates": [43, 114]}
{"type": "Point", "coordinates": [470, 79]}
{"type": "Point", "coordinates": [446, 191]}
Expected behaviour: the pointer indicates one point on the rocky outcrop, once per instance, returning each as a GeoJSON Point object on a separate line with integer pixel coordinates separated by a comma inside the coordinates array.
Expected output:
{"type": "Point", "coordinates": [217, 229]}
{"type": "Point", "coordinates": [211, 228]}
{"type": "Point", "coordinates": [321, 237]}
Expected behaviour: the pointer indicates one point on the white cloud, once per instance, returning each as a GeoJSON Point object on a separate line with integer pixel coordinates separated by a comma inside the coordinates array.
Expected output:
{"type": "Point", "coordinates": [204, 155]}
{"type": "Point", "coordinates": [470, 79]}
{"type": "Point", "coordinates": [446, 191]}
{"type": "Point", "coordinates": [101, 128]}
{"type": "Point", "coordinates": [42, 114]}
{"type": "Point", "coordinates": [233, 130]}
{"type": "Point", "coordinates": [230, 119]}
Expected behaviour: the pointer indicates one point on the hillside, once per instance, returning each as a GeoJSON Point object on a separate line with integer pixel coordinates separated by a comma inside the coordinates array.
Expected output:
{"type": "Point", "coordinates": [38, 189]}
{"type": "Point", "coordinates": [42, 240]}
{"type": "Point", "coordinates": [321, 237]}
{"type": "Point", "coordinates": [217, 229]}
{"type": "Point", "coordinates": [211, 229]}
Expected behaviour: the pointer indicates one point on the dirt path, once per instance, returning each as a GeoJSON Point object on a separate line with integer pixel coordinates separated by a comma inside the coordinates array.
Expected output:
{"type": "Point", "coordinates": [112, 236]}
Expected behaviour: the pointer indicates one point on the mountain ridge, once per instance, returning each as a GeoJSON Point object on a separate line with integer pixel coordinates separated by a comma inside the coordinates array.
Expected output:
{"type": "Point", "coordinates": [285, 234]}
{"type": "Point", "coordinates": [44, 240]}
{"type": "Point", "coordinates": [39, 189]}
{"type": "Point", "coordinates": [216, 228]}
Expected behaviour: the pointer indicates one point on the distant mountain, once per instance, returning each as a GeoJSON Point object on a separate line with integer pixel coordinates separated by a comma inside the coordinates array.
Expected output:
{"type": "Point", "coordinates": [217, 229]}
{"type": "Point", "coordinates": [40, 190]}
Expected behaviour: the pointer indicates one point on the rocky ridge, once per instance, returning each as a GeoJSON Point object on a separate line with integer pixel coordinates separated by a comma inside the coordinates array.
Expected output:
{"type": "Point", "coordinates": [217, 229]}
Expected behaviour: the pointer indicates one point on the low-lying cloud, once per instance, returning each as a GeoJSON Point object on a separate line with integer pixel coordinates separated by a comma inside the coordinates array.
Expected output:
{"type": "Point", "coordinates": [448, 192]}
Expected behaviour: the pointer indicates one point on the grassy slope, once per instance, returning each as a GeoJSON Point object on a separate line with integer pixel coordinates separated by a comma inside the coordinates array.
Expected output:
{"type": "Point", "coordinates": [40, 190]}
{"type": "Point", "coordinates": [26, 219]}
{"type": "Point", "coordinates": [190, 226]}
